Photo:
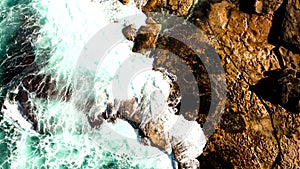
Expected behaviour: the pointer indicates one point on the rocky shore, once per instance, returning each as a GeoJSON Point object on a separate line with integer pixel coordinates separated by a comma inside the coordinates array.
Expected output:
{"type": "Point", "coordinates": [169, 132]}
{"type": "Point", "coordinates": [258, 43]}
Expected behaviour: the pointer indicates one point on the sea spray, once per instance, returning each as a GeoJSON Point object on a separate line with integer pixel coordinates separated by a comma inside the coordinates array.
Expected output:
{"type": "Point", "coordinates": [62, 139]}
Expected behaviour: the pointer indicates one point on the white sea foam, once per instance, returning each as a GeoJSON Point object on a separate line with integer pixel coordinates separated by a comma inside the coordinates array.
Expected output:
{"type": "Point", "coordinates": [68, 26]}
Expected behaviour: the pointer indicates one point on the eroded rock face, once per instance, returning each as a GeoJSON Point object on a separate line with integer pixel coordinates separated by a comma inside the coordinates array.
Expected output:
{"type": "Point", "coordinates": [154, 6]}
{"type": "Point", "coordinates": [287, 58]}
{"type": "Point", "coordinates": [291, 25]}
{"type": "Point", "coordinates": [130, 32]}
{"type": "Point", "coordinates": [146, 37]}
{"type": "Point", "coordinates": [285, 88]}
{"type": "Point", "coordinates": [124, 2]}
{"type": "Point", "coordinates": [259, 128]}
{"type": "Point", "coordinates": [167, 131]}
{"type": "Point", "coordinates": [265, 6]}
{"type": "Point", "coordinates": [247, 136]}
{"type": "Point", "coordinates": [242, 41]}
{"type": "Point", "coordinates": [179, 7]}
{"type": "Point", "coordinates": [286, 26]}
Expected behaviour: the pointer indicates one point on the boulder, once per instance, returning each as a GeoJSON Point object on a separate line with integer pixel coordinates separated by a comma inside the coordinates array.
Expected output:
{"type": "Point", "coordinates": [129, 32]}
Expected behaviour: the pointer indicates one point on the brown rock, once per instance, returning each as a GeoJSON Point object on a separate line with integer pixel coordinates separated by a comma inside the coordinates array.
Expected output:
{"type": "Point", "coordinates": [146, 38]}
{"type": "Point", "coordinates": [155, 131]}
{"type": "Point", "coordinates": [259, 6]}
{"type": "Point", "coordinates": [129, 32]}
{"type": "Point", "coordinates": [124, 2]}
{"type": "Point", "coordinates": [150, 20]}
{"type": "Point", "coordinates": [247, 55]}
{"type": "Point", "coordinates": [287, 58]}
{"type": "Point", "coordinates": [285, 89]}
{"type": "Point", "coordinates": [255, 131]}
{"type": "Point", "coordinates": [181, 6]}
{"type": "Point", "coordinates": [291, 25]}
{"type": "Point", "coordinates": [286, 26]}
{"type": "Point", "coordinates": [154, 5]}
{"type": "Point", "coordinates": [266, 6]}
{"type": "Point", "coordinates": [218, 18]}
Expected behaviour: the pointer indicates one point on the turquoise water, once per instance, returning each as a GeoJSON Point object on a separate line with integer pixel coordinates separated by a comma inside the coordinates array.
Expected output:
{"type": "Point", "coordinates": [55, 32]}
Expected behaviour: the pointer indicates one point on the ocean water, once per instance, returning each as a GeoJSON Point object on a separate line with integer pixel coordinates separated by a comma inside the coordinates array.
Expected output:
{"type": "Point", "coordinates": [44, 38]}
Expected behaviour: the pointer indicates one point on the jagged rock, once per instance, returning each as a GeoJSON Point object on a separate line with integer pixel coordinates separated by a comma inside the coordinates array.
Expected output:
{"type": "Point", "coordinates": [130, 32]}
{"type": "Point", "coordinates": [181, 6]}
{"type": "Point", "coordinates": [289, 85]}
{"type": "Point", "coordinates": [286, 26]}
{"type": "Point", "coordinates": [288, 59]}
{"type": "Point", "coordinates": [124, 2]}
{"type": "Point", "coordinates": [291, 25]}
{"type": "Point", "coordinates": [165, 130]}
{"type": "Point", "coordinates": [150, 20]}
{"type": "Point", "coordinates": [259, 6]}
{"type": "Point", "coordinates": [146, 37]}
{"type": "Point", "coordinates": [244, 47]}
{"type": "Point", "coordinates": [255, 131]}
{"type": "Point", "coordinates": [155, 131]}
{"type": "Point", "coordinates": [154, 5]}
{"type": "Point", "coordinates": [266, 6]}
{"type": "Point", "coordinates": [281, 87]}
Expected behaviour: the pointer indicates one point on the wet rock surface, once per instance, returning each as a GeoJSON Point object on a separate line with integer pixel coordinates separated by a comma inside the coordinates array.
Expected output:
{"type": "Point", "coordinates": [185, 140]}
{"type": "Point", "coordinates": [258, 44]}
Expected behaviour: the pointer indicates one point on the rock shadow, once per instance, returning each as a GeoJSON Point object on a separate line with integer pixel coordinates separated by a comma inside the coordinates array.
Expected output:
{"type": "Point", "coordinates": [280, 87]}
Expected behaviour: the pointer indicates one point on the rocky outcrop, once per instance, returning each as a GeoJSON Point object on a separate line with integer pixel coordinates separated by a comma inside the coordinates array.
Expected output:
{"type": "Point", "coordinates": [265, 6]}
{"type": "Point", "coordinates": [167, 131]}
{"type": "Point", "coordinates": [154, 6]}
{"type": "Point", "coordinates": [259, 6]}
{"type": "Point", "coordinates": [178, 7]}
{"type": "Point", "coordinates": [129, 32]}
{"type": "Point", "coordinates": [286, 26]}
{"type": "Point", "coordinates": [182, 7]}
{"type": "Point", "coordinates": [259, 46]}
{"type": "Point", "coordinates": [124, 2]}
{"type": "Point", "coordinates": [285, 89]}
{"type": "Point", "coordinates": [146, 37]}
{"type": "Point", "coordinates": [291, 25]}
{"type": "Point", "coordinates": [248, 136]}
